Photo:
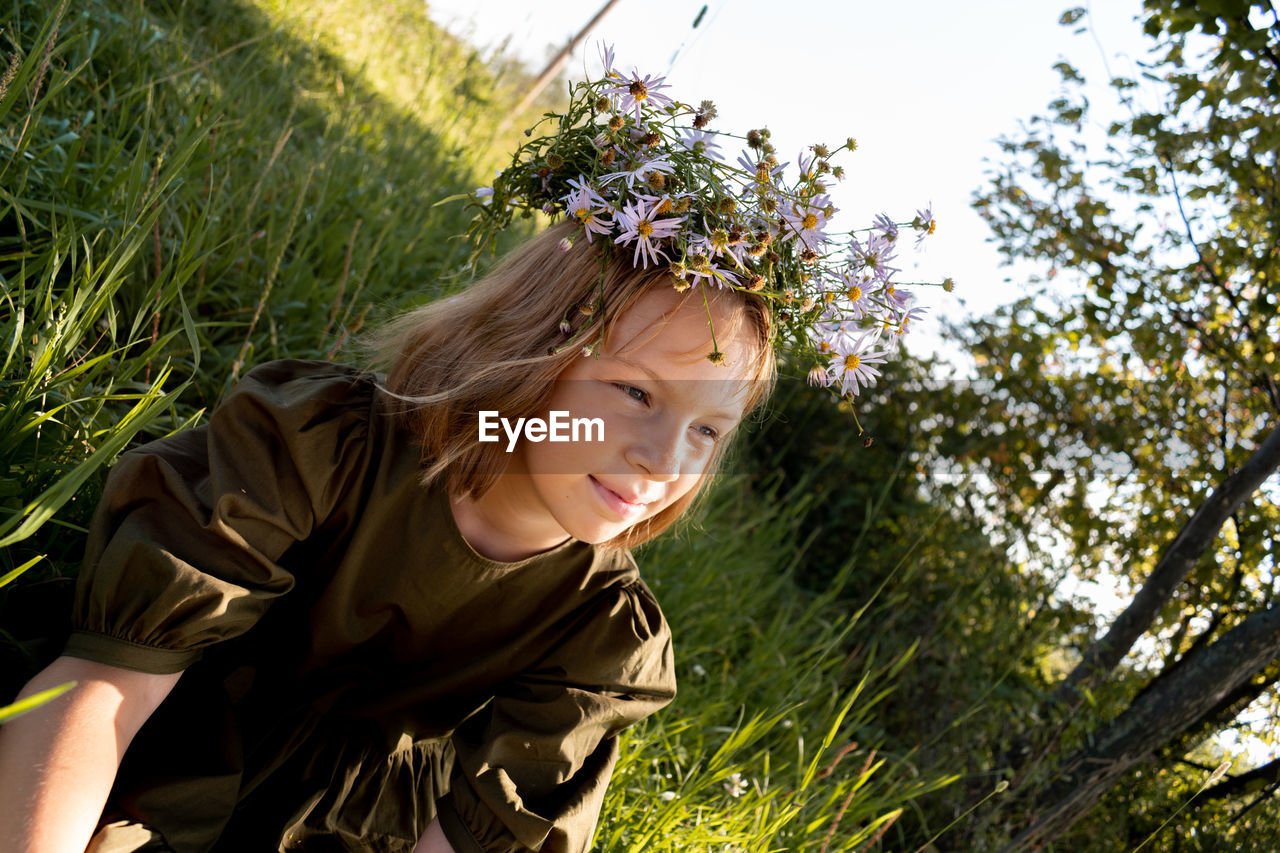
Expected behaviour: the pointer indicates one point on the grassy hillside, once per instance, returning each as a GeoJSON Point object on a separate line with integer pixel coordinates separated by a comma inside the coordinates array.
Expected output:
{"type": "Point", "coordinates": [187, 188]}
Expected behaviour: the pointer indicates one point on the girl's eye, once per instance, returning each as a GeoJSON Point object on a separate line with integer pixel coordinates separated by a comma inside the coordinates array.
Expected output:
{"type": "Point", "coordinates": [710, 432]}
{"type": "Point", "coordinates": [637, 394]}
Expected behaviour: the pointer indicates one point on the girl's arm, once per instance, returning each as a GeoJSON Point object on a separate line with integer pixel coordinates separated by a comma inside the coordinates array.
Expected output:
{"type": "Point", "coordinates": [433, 840]}
{"type": "Point", "coordinates": [57, 762]}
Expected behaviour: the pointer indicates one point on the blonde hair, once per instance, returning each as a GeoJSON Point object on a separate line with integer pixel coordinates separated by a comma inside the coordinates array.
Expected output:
{"type": "Point", "coordinates": [498, 345]}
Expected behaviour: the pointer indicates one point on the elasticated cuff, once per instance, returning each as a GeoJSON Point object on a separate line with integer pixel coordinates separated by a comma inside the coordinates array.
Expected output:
{"type": "Point", "coordinates": [114, 651]}
{"type": "Point", "coordinates": [455, 830]}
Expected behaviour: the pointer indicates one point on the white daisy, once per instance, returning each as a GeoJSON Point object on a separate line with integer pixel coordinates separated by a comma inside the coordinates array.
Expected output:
{"type": "Point", "coordinates": [886, 226]}
{"type": "Point", "coordinates": [852, 364]}
{"type": "Point", "coordinates": [701, 141]}
{"type": "Point", "coordinates": [586, 206]}
{"type": "Point", "coordinates": [763, 170]}
{"type": "Point", "coordinates": [899, 299]}
{"type": "Point", "coordinates": [874, 256]}
{"type": "Point", "coordinates": [639, 171]}
{"type": "Point", "coordinates": [857, 295]}
{"type": "Point", "coordinates": [806, 220]}
{"type": "Point", "coordinates": [718, 242]}
{"type": "Point", "coordinates": [834, 327]}
{"type": "Point", "coordinates": [637, 222]}
{"type": "Point", "coordinates": [924, 223]}
{"type": "Point", "coordinates": [904, 322]}
{"type": "Point", "coordinates": [735, 786]}
{"type": "Point", "coordinates": [700, 267]}
{"type": "Point", "coordinates": [640, 91]}
{"type": "Point", "coordinates": [805, 164]}
{"type": "Point", "coordinates": [606, 59]}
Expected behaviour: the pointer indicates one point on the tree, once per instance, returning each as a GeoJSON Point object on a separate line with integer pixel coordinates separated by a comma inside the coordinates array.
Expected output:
{"type": "Point", "coordinates": [1128, 416]}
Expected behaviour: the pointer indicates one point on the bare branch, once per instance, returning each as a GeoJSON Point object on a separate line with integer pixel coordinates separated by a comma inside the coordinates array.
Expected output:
{"type": "Point", "coordinates": [1177, 561]}
{"type": "Point", "coordinates": [1150, 722]}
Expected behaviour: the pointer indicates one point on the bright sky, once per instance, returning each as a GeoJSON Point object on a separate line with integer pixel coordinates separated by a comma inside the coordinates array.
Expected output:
{"type": "Point", "coordinates": [925, 88]}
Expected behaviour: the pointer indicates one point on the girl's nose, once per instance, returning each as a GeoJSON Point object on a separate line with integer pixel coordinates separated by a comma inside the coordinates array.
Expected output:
{"type": "Point", "coordinates": [656, 452]}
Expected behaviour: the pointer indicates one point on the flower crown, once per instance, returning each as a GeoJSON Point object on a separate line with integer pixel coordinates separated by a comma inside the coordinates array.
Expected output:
{"type": "Point", "coordinates": [638, 169]}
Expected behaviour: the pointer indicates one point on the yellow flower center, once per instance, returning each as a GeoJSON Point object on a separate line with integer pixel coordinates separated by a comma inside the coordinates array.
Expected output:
{"type": "Point", "coordinates": [855, 293]}
{"type": "Point", "coordinates": [644, 229]}
{"type": "Point", "coordinates": [664, 206]}
{"type": "Point", "coordinates": [583, 213]}
{"type": "Point", "coordinates": [809, 221]}
{"type": "Point", "coordinates": [824, 347]}
{"type": "Point", "coordinates": [851, 363]}
{"type": "Point", "coordinates": [638, 90]}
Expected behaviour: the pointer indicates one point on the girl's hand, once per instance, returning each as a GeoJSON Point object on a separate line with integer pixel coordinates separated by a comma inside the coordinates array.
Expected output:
{"type": "Point", "coordinates": [58, 761]}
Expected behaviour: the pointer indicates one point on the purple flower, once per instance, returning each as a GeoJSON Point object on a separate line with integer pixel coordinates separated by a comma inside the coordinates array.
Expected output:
{"type": "Point", "coordinates": [924, 223]}
{"type": "Point", "coordinates": [886, 227]}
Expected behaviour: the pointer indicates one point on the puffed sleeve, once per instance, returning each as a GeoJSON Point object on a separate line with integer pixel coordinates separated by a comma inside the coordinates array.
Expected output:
{"type": "Point", "coordinates": [183, 548]}
{"type": "Point", "coordinates": [533, 764]}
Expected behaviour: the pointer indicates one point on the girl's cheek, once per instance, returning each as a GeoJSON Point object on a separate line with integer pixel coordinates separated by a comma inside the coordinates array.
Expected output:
{"type": "Point", "coordinates": [697, 462]}
{"type": "Point", "coordinates": [685, 486]}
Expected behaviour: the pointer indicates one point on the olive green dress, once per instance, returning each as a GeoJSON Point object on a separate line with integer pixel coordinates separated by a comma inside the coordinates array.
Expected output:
{"type": "Point", "coordinates": [351, 667]}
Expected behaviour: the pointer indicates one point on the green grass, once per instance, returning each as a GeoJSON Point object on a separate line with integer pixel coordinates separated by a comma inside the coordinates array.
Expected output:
{"type": "Point", "coordinates": [186, 189]}
{"type": "Point", "coordinates": [778, 692]}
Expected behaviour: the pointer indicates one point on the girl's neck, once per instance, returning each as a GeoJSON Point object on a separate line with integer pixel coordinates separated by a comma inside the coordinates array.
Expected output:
{"type": "Point", "coordinates": [503, 525]}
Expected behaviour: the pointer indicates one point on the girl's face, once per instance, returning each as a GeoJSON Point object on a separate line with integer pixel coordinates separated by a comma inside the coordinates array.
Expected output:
{"type": "Point", "coordinates": [663, 405]}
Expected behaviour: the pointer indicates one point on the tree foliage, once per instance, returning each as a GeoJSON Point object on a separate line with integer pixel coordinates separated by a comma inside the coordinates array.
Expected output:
{"type": "Point", "coordinates": [1127, 411]}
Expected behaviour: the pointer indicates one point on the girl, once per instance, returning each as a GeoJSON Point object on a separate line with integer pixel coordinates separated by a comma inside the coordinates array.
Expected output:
{"type": "Point", "coordinates": [334, 619]}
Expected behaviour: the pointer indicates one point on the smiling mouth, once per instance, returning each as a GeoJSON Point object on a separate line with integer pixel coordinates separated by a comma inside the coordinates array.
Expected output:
{"type": "Point", "coordinates": [616, 502]}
